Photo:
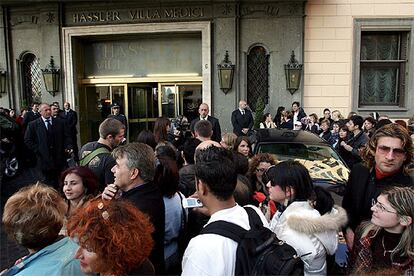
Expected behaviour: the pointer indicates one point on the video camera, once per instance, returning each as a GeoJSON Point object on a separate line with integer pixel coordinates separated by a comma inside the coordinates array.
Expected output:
{"type": "Point", "coordinates": [181, 124]}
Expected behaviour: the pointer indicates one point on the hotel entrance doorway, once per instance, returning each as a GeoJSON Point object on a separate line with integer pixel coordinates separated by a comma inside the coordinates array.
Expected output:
{"type": "Point", "coordinates": [141, 103]}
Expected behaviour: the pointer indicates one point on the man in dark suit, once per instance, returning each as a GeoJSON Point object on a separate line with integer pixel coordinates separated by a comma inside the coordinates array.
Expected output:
{"type": "Point", "coordinates": [59, 111]}
{"type": "Point", "coordinates": [31, 115]}
{"type": "Point", "coordinates": [203, 110]}
{"type": "Point", "coordinates": [242, 120]}
{"type": "Point", "coordinates": [115, 113]}
{"type": "Point", "coordinates": [134, 174]}
{"type": "Point", "coordinates": [71, 118]}
{"type": "Point", "coordinates": [49, 139]}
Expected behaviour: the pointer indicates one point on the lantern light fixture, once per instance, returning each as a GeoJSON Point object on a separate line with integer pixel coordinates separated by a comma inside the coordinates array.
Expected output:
{"type": "Point", "coordinates": [226, 73]}
{"type": "Point", "coordinates": [293, 73]}
{"type": "Point", "coordinates": [51, 77]}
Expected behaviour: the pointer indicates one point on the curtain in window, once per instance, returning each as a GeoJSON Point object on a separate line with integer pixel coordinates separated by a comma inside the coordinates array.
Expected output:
{"type": "Point", "coordinates": [378, 80]}
{"type": "Point", "coordinates": [380, 47]}
{"type": "Point", "coordinates": [378, 86]}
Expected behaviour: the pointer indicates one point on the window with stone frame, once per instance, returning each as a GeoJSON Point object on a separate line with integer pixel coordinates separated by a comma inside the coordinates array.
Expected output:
{"type": "Point", "coordinates": [257, 76]}
{"type": "Point", "coordinates": [383, 60]}
{"type": "Point", "coordinates": [31, 79]}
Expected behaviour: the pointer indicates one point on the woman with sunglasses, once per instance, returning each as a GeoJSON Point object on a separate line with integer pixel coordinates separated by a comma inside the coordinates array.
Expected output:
{"type": "Point", "coordinates": [387, 240]}
{"type": "Point", "coordinates": [258, 164]}
{"type": "Point", "coordinates": [306, 218]}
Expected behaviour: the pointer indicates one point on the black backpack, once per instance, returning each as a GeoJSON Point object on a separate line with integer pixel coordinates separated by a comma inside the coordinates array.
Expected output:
{"type": "Point", "coordinates": [259, 251]}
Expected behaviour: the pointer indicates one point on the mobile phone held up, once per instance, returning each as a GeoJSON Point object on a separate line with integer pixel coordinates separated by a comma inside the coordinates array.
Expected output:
{"type": "Point", "coordinates": [192, 203]}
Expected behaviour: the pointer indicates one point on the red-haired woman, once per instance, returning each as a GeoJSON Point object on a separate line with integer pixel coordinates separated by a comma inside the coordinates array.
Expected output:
{"type": "Point", "coordinates": [79, 184]}
{"type": "Point", "coordinates": [114, 238]}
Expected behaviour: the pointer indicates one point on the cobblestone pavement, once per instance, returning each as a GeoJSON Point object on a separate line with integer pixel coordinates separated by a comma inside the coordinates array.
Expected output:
{"type": "Point", "coordinates": [9, 250]}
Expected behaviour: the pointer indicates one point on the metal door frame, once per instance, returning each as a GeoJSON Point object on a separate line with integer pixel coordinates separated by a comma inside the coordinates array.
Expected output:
{"type": "Point", "coordinates": [177, 95]}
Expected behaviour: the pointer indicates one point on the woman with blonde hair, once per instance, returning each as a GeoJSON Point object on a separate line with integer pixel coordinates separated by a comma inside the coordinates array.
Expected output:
{"type": "Point", "coordinates": [228, 140]}
{"type": "Point", "coordinates": [337, 116]}
{"type": "Point", "coordinates": [33, 217]}
{"type": "Point", "coordinates": [387, 240]}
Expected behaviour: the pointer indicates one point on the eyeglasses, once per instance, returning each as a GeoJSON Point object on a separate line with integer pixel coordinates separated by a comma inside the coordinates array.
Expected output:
{"type": "Point", "coordinates": [380, 207]}
{"type": "Point", "coordinates": [386, 150]}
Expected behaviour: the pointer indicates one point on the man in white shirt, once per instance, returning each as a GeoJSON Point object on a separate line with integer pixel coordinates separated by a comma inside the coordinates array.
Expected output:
{"type": "Point", "coordinates": [216, 178]}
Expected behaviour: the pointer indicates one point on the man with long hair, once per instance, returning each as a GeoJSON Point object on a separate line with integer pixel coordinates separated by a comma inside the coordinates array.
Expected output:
{"type": "Point", "coordinates": [388, 160]}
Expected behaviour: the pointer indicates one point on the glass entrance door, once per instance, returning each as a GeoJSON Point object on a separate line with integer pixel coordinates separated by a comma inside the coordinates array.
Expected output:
{"type": "Point", "coordinates": [141, 103]}
{"type": "Point", "coordinates": [142, 107]}
{"type": "Point", "coordinates": [95, 106]}
{"type": "Point", "coordinates": [180, 99]}
{"type": "Point", "coordinates": [190, 97]}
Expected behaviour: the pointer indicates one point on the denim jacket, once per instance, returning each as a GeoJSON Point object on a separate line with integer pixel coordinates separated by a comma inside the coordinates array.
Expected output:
{"type": "Point", "coordinates": [53, 260]}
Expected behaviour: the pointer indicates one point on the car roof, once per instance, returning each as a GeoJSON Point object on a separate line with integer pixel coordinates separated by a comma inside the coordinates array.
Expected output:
{"type": "Point", "coordinates": [273, 135]}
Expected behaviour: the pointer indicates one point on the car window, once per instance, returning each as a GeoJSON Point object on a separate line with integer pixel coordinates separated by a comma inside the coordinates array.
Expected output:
{"type": "Point", "coordinates": [323, 163]}
{"type": "Point", "coordinates": [285, 151]}
{"type": "Point", "coordinates": [298, 151]}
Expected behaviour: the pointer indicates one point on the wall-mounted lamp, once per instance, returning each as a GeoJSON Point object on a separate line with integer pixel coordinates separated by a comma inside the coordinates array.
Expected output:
{"type": "Point", "coordinates": [51, 77]}
{"type": "Point", "coordinates": [226, 73]}
{"type": "Point", "coordinates": [3, 81]}
{"type": "Point", "coordinates": [293, 72]}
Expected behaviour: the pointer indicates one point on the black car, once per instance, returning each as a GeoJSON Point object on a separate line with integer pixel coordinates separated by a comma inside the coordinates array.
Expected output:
{"type": "Point", "coordinates": [325, 166]}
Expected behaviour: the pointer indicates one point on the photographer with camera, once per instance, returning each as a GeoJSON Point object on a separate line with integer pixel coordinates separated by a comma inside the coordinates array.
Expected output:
{"type": "Point", "coordinates": [180, 131]}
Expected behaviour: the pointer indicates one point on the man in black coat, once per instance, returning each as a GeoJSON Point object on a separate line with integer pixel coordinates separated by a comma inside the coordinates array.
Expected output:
{"type": "Point", "coordinates": [203, 110]}
{"type": "Point", "coordinates": [115, 113]}
{"type": "Point", "coordinates": [357, 142]}
{"type": "Point", "coordinates": [387, 162]}
{"type": "Point", "coordinates": [71, 118]}
{"type": "Point", "coordinates": [49, 139]}
{"type": "Point", "coordinates": [31, 115]}
{"type": "Point", "coordinates": [134, 174]}
{"type": "Point", "coordinates": [242, 120]}
{"type": "Point", "coordinates": [298, 113]}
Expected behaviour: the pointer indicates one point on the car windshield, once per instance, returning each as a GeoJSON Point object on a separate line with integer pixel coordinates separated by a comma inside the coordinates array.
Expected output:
{"type": "Point", "coordinates": [321, 161]}
{"type": "Point", "coordinates": [299, 151]}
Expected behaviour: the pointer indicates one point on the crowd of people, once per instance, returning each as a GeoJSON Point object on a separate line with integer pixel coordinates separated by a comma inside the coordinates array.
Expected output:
{"type": "Point", "coordinates": [153, 206]}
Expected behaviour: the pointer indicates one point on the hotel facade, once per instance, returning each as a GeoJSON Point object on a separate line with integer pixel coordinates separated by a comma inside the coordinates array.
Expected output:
{"type": "Point", "coordinates": [160, 58]}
